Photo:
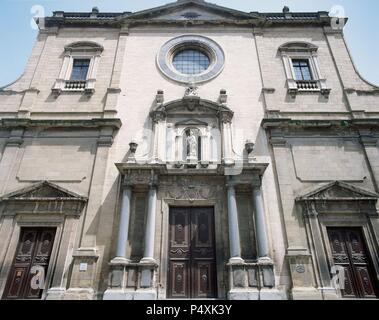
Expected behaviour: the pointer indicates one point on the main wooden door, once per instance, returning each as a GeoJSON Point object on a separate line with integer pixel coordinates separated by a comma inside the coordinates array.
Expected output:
{"type": "Point", "coordinates": [33, 250]}
{"type": "Point", "coordinates": [192, 256]}
{"type": "Point", "coordinates": [349, 251]}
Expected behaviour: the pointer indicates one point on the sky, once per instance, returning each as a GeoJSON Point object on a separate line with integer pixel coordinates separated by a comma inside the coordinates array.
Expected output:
{"type": "Point", "coordinates": [18, 33]}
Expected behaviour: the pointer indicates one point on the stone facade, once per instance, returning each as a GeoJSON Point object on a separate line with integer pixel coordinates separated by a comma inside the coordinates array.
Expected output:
{"type": "Point", "coordinates": [103, 160]}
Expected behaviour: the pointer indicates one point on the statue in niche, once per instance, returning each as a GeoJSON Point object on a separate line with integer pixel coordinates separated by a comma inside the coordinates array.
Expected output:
{"type": "Point", "coordinates": [192, 146]}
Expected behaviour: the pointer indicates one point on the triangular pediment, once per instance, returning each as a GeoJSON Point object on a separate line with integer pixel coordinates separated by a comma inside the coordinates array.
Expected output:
{"type": "Point", "coordinates": [42, 190]}
{"type": "Point", "coordinates": [338, 190]}
{"type": "Point", "coordinates": [183, 10]}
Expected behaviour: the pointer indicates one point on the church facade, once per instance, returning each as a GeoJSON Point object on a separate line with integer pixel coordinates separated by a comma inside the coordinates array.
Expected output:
{"type": "Point", "coordinates": [189, 151]}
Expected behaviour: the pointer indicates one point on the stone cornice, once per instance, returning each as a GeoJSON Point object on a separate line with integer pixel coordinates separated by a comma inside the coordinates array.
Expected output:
{"type": "Point", "coordinates": [60, 123]}
{"type": "Point", "coordinates": [291, 123]}
{"type": "Point", "coordinates": [162, 169]}
{"type": "Point", "coordinates": [368, 92]}
{"type": "Point", "coordinates": [227, 16]}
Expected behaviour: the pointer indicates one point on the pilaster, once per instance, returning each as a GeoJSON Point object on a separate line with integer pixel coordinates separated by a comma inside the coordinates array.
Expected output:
{"type": "Point", "coordinates": [113, 92]}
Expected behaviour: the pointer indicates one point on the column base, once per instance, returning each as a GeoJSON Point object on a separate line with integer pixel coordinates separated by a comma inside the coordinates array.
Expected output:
{"type": "Point", "coordinates": [117, 294]}
{"type": "Point", "coordinates": [271, 294]}
{"type": "Point", "coordinates": [236, 260]}
{"type": "Point", "coordinates": [150, 261]}
{"type": "Point", "coordinates": [119, 261]}
{"type": "Point", "coordinates": [306, 293]}
{"type": "Point", "coordinates": [265, 260]}
{"type": "Point", "coordinates": [243, 294]}
{"type": "Point", "coordinates": [79, 294]}
{"type": "Point", "coordinates": [56, 293]}
{"type": "Point", "coordinates": [120, 294]}
{"type": "Point", "coordinates": [329, 293]}
{"type": "Point", "coordinates": [256, 294]}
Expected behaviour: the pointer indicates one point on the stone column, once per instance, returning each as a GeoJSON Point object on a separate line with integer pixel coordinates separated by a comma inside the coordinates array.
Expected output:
{"type": "Point", "coordinates": [123, 230]}
{"type": "Point", "coordinates": [118, 273]}
{"type": "Point", "coordinates": [113, 92]}
{"type": "Point", "coordinates": [10, 157]}
{"type": "Point", "coordinates": [234, 234]}
{"type": "Point", "coordinates": [148, 255]}
{"type": "Point", "coordinates": [261, 231]}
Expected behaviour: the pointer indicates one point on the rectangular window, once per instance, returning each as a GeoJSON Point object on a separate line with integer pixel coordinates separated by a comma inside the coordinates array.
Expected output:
{"type": "Point", "coordinates": [80, 69]}
{"type": "Point", "coordinates": [302, 69]}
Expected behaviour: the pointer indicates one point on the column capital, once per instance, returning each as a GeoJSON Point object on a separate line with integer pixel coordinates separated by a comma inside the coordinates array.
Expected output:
{"type": "Point", "coordinates": [153, 185]}
{"type": "Point", "coordinates": [231, 185]}
{"type": "Point", "coordinates": [158, 115]}
{"type": "Point", "coordinates": [226, 116]}
{"type": "Point", "coordinates": [127, 183]}
{"type": "Point", "coordinates": [310, 209]}
{"type": "Point", "coordinates": [256, 186]}
{"type": "Point", "coordinates": [231, 182]}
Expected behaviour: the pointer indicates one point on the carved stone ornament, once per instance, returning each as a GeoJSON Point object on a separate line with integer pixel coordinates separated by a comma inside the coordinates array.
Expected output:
{"type": "Point", "coordinates": [188, 188]}
{"type": "Point", "coordinates": [140, 177]}
{"type": "Point", "coordinates": [191, 15]}
{"type": "Point", "coordinates": [43, 197]}
{"type": "Point", "coordinates": [191, 90]}
{"type": "Point", "coordinates": [300, 268]}
{"type": "Point", "coordinates": [158, 115]}
{"type": "Point", "coordinates": [192, 102]}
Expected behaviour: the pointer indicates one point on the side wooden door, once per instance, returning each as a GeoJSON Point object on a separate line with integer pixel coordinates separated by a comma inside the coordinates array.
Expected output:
{"type": "Point", "coordinates": [349, 250]}
{"type": "Point", "coordinates": [33, 250]}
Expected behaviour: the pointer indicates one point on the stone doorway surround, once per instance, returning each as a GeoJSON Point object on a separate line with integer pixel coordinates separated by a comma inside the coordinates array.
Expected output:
{"type": "Point", "coordinates": [336, 204]}
{"type": "Point", "coordinates": [165, 187]}
{"type": "Point", "coordinates": [42, 204]}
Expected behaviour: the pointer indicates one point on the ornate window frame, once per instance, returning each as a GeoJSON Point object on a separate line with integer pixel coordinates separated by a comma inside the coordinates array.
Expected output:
{"type": "Point", "coordinates": [306, 51]}
{"type": "Point", "coordinates": [78, 50]}
{"type": "Point", "coordinates": [204, 44]}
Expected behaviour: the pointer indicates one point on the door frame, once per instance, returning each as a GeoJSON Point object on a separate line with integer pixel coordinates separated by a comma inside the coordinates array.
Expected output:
{"type": "Point", "coordinates": [29, 222]}
{"type": "Point", "coordinates": [219, 211]}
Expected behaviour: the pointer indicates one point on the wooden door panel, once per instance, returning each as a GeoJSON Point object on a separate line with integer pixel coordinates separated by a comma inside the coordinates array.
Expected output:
{"type": "Point", "coordinates": [180, 228]}
{"type": "Point", "coordinates": [349, 250]}
{"type": "Point", "coordinates": [339, 250]}
{"type": "Point", "coordinates": [179, 253]}
{"type": "Point", "coordinates": [191, 253]}
{"type": "Point", "coordinates": [34, 249]}
{"type": "Point", "coordinates": [366, 285]}
{"type": "Point", "coordinates": [204, 286]}
{"type": "Point", "coordinates": [202, 228]}
{"type": "Point", "coordinates": [17, 279]}
{"type": "Point", "coordinates": [180, 279]}
{"type": "Point", "coordinates": [356, 247]}
{"type": "Point", "coordinates": [350, 290]}
{"type": "Point", "coordinates": [41, 259]}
